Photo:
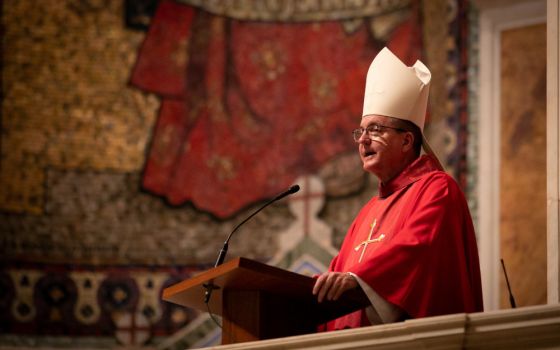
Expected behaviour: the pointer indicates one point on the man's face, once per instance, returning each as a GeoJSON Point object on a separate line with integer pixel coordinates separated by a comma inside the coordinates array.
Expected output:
{"type": "Point", "coordinates": [382, 153]}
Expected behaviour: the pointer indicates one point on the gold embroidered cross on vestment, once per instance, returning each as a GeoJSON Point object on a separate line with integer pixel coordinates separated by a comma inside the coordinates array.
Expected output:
{"type": "Point", "coordinates": [369, 240]}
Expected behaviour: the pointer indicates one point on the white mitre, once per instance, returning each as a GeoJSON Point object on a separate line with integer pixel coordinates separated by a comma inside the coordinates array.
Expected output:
{"type": "Point", "coordinates": [396, 90]}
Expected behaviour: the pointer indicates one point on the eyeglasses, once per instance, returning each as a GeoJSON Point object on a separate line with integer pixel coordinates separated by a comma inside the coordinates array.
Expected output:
{"type": "Point", "coordinates": [371, 130]}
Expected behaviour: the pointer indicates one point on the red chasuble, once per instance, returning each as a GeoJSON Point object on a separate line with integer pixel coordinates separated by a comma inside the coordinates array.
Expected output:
{"type": "Point", "coordinates": [414, 244]}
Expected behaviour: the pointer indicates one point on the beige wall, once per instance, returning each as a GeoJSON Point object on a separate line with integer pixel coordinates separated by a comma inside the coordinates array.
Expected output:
{"type": "Point", "coordinates": [523, 164]}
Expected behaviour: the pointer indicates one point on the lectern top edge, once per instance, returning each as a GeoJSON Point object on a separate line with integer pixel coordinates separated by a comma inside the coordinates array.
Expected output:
{"type": "Point", "coordinates": [222, 271]}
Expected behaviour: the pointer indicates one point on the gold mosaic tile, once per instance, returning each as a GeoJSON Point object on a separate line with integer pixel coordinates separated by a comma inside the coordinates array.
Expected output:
{"type": "Point", "coordinates": [67, 103]}
{"type": "Point", "coordinates": [436, 37]}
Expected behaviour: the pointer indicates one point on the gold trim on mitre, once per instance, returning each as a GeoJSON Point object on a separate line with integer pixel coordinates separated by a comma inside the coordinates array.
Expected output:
{"type": "Point", "coordinates": [398, 91]}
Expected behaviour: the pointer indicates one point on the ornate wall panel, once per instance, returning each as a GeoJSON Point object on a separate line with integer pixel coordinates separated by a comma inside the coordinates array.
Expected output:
{"type": "Point", "coordinates": [523, 164]}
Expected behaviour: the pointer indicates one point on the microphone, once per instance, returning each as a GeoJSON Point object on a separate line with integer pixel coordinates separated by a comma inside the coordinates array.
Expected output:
{"type": "Point", "coordinates": [223, 251]}
{"type": "Point", "coordinates": [511, 298]}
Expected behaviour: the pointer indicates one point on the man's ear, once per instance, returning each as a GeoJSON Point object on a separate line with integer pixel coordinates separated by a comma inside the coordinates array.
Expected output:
{"type": "Point", "coordinates": [408, 141]}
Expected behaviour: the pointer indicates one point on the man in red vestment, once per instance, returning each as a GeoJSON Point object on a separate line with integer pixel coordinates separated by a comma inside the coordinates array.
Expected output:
{"type": "Point", "coordinates": [412, 248]}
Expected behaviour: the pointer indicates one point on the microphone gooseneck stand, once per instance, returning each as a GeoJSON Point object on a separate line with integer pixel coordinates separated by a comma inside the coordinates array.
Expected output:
{"type": "Point", "coordinates": [511, 298]}
{"type": "Point", "coordinates": [222, 255]}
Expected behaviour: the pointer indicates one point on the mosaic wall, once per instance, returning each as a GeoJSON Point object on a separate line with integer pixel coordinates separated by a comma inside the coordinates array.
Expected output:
{"type": "Point", "coordinates": [84, 250]}
{"type": "Point", "coordinates": [64, 103]}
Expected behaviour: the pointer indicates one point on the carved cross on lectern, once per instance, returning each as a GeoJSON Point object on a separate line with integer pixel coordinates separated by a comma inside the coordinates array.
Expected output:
{"type": "Point", "coordinates": [369, 240]}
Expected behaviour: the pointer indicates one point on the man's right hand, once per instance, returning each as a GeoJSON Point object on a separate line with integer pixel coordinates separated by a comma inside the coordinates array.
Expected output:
{"type": "Point", "coordinates": [331, 285]}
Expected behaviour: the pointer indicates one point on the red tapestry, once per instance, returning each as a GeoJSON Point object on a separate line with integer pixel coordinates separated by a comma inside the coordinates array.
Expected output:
{"type": "Point", "coordinates": [247, 106]}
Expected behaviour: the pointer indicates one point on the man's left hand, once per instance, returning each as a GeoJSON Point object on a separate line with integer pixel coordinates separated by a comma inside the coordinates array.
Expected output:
{"type": "Point", "coordinates": [331, 285]}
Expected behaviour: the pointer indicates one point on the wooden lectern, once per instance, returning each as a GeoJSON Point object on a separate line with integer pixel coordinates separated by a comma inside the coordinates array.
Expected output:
{"type": "Point", "coordinates": [258, 301]}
